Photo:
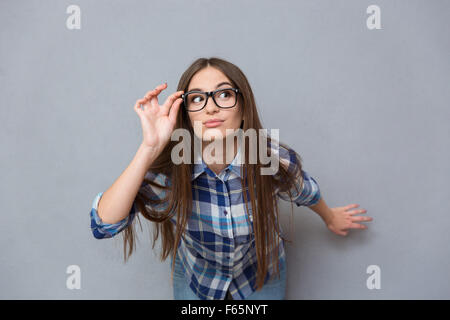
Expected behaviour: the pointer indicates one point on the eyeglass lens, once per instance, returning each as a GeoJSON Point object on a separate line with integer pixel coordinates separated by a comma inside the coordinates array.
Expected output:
{"type": "Point", "coordinates": [225, 98]}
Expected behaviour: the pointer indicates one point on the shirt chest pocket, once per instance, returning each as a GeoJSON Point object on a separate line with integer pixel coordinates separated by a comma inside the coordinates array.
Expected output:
{"type": "Point", "coordinates": [242, 220]}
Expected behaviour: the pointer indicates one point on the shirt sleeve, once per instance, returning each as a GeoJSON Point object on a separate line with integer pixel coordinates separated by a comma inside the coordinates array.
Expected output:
{"type": "Point", "coordinates": [102, 230]}
{"type": "Point", "coordinates": [310, 192]}
{"type": "Point", "coordinates": [306, 191]}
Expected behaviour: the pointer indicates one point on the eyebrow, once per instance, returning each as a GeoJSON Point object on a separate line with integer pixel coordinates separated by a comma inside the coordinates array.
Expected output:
{"type": "Point", "coordinates": [220, 84]}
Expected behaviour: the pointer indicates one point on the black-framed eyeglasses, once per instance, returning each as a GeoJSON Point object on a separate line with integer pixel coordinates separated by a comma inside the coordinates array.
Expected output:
{"type": "Point", "coordinates": [197, 100]}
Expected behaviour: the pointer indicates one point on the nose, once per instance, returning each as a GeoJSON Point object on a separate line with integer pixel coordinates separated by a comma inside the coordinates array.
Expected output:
{"type": "Point", "coordinates": [211, 107]}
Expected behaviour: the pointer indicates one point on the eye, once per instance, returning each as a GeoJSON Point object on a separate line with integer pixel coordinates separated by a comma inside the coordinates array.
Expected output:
{"type": "Point", "coordinates": [224, 94]}
{"type": "Point", "coordinates": [197, 98]}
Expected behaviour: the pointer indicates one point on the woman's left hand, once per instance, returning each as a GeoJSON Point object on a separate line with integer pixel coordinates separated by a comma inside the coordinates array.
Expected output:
{"type": "Point", "coordinates": [342, 219]}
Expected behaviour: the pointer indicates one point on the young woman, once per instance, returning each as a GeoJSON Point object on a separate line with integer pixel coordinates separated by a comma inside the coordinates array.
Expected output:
{"type": "Point", "coordinates": [223, 236]}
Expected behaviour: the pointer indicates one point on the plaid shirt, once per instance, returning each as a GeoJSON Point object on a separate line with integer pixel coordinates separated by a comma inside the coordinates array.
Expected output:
{"type": "Point", "coordinates": [218, 248]}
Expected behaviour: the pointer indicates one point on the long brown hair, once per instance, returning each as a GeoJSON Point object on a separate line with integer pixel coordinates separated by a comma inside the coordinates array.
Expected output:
{"type": "Point", "coordinates": [178, 198]}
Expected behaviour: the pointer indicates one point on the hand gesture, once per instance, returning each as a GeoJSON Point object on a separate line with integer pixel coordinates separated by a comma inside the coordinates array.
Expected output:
{"type": "Point", "coordinates": [343, 219]}
{"type": "Point", "coordinates": [158, 121]}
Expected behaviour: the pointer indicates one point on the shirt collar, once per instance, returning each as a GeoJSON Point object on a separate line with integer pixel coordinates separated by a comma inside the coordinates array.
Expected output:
{"type": "Point", "coordinates": [200, 166]}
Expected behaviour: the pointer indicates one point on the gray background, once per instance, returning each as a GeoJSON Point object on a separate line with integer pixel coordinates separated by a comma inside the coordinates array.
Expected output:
{"type": "Point", "coordinates": [367, 110]}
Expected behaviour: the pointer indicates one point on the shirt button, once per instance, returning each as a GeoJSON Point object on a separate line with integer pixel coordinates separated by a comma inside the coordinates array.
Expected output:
{"type": "Point", "coordinates": [225, 212]}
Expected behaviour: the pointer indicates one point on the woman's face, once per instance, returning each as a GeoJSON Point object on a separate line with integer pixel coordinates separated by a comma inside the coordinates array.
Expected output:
{"type": "Point", "coordinates": [210, 79]}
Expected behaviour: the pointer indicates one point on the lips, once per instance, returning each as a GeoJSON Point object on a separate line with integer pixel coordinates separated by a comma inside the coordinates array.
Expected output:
{"type": "Point", "coordinates": [213, 123]}
{"type": "Point", "coordinates": [213, 120]}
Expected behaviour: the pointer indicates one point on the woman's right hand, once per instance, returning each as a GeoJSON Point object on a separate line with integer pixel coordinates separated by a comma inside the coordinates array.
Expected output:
{"type": "Point", "coordinates": [158, 121]}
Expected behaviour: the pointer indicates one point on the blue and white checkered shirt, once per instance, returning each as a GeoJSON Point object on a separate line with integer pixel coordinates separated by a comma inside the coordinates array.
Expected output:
{"type": "Point", "coordinates": [218, 248]}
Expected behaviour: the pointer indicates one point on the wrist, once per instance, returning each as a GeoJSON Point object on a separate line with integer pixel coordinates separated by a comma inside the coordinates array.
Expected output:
{"type": "Point", "coordinates": [149, 149]}
{"type": "Point", "coordinates": [325, 212]}
{"type": "Point", "coordinates": [147, 154]}
{"type": "Point", "coordinates": [328, 217]}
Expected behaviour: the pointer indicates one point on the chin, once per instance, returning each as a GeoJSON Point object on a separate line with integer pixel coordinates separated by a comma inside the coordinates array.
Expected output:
{"type": "Point", "coordinates": [207, 137]}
